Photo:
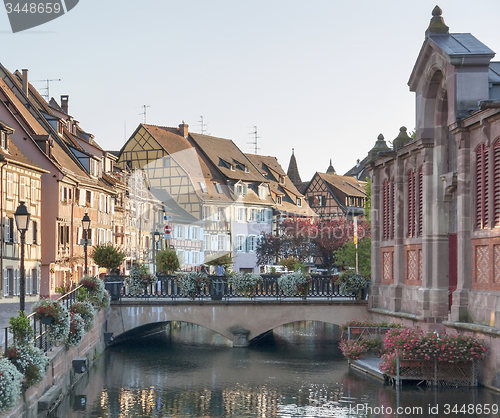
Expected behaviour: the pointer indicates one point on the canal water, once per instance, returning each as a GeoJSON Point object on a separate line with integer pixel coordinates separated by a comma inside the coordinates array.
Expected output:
{"type": "Point", "coordinates": [298, 371]}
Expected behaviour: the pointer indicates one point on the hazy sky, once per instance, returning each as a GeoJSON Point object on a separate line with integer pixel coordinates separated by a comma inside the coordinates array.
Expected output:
{"type": "Point", "coordinates": [324, 77]}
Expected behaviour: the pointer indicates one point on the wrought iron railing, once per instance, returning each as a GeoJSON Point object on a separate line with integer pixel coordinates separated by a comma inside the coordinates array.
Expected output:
{"type": "Point", "coordinates": [39, 335]}
{"type": "Point", "coordinates": [166, 287]}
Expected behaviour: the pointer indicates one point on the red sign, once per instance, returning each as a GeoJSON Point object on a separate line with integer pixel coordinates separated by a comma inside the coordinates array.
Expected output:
{"type": "Point", "coordinates": [168, 229]}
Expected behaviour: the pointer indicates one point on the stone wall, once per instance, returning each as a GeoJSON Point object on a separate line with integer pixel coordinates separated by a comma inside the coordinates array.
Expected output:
{"type": "Point", "coordinates": [36, 401]}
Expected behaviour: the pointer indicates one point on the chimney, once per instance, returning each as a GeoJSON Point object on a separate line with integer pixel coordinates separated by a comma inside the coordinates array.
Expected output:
{"type": "Point", "coordinates": [25, 81]}
{"type": "Point", "coordinates": [183, 129]}
{"type": "Point", "coordinates": [64, 103]}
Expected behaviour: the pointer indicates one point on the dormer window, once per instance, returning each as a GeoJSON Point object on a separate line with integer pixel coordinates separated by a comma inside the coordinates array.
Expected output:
{"type": "Point", "coordinates": [203, 187]}
{"type": "Point", "coordinates": [3, 140]}
{"type": "Point", "coordinates": [282, 180]}
{"type": "Point", "coordinates": [299, 201]}
{"type": "Point", "coordinates": [262, 191]}
{"type": "Point", "coordinates": [278, 200]}
{"type": "Point", "coordinates": [246, 169]}
{"type": "Point", "coordinates": [218, 187]}
{"type": "Point", "coordinates": [60, 127]}
{"type": "Point", "coordinates": [233, 167]}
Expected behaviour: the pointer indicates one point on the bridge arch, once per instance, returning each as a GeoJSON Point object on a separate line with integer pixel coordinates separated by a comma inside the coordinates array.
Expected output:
{"type": "Point", "coordinates": [237, 321]}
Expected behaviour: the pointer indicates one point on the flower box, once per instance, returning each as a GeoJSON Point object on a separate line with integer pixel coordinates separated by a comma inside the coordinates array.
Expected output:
{"type": "Point", "coordinates": [47, 319]}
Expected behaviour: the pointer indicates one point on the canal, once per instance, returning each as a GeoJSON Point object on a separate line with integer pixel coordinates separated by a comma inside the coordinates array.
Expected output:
{"type": "Point", "coordinates": [298, 371]}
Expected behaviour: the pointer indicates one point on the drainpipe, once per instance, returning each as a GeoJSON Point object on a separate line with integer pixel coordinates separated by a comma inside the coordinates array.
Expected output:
{"type": "Point", "coordinates": [2, 243]}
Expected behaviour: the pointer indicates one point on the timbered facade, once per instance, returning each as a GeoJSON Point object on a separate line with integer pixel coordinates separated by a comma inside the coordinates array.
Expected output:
{"type": "Point", "coordinates": [331, 195]}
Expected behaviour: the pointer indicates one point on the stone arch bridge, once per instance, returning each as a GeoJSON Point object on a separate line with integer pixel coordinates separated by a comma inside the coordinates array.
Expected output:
{"type": "Point", "coordinates": [240, 321]}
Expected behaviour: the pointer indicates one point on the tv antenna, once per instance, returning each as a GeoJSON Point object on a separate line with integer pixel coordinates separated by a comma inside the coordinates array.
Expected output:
{"type": "Point", "coordinates": [254, 142]}
{"type": "Point", "coordinates": [143, 113]}
{"type": "Point", "coordinates": [203, 125]}
{"type": "Point", "coordinates": [47, 88]}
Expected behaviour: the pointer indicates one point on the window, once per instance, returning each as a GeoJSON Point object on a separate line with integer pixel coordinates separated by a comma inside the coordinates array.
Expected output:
{"type": "Point", "coordinates": [166, 162]}
{"type": "Point", "coordinates": [218, 187]}
{"type": "Point", "coordinates": [299, 201]}
{"type": "Point", "coordinates": [251, 243]}
{"type": "Point", "coordinates": [238, 189]}
{"type": "Point", "coordinates": [411, 204]}
{"type": "Point", "coordinates": [88, 199]}
{"type": "Point", "coordinates": [8, 282]}
{"type": "Point", "coordinates": [34, 231]}
{"type": "Point", "coordinates": [220, 214]}
{"type": "Point", "coordinates": [34, 282]}
{"type": "Point", "coordinates": [221, 239]}
{"type": "Point", "coordinates": [10, 185]}
{"type": "Point", "coordinates": [196, 257]}
{"type": "Point", "coordinates": [3, 139]}
{"type": "Point", "coordinates": [206, 242]}
{"type": "Point", "coordinates": [9, 230]}
{"type": "Point", "coordinates": [388, 209]}
{"type": "Point", "coordinates": [482, 187]}
{"type": "Point", "coordinates": [241, 214]}
{"type": "Point", "coordinates": [22, 189]}
{"type": "Point", "coordinates": [203, 187]}
{"type": "Point", "coordinates": [240, 243]}
{"type": "Point", "coordinates": [261, 213]}
{"type": "Point", "coordinates": [278, 200]}
{"type": "Point", "coordinates": [33, 191]}
{"type": "Point", "coordinates": [262, 191]}
{"type": "Point", "coordinates": [253, 215]}
{"type": "Point", "coordinates": [496, 179]}
{"type": "Point", "coordinates": [195, 233]}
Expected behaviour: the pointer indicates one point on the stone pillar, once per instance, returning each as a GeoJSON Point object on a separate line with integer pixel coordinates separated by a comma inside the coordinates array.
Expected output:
{"type": "Point", "coordinates": [375, 215]}
{"type": "Point", "coordinates": [465, 223]}
{"type": "Point", "coordinates": [396, 289]}
{"type": "Point", "coordinates": [240, 337]}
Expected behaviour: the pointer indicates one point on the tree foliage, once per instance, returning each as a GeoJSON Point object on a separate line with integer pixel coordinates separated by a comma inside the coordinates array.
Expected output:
{"type": "Point", "coordinates": [167, 261]}
{"type": "Point", "coordinates": [347, 256]}
{"type": "Point", "coordinates": [368, 203]}
{"type": "Point", "coordinates": [108, 256]}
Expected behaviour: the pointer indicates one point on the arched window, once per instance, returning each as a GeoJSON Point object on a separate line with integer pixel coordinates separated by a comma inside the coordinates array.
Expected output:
{"type": "Point", "coordinates": [482, 187]}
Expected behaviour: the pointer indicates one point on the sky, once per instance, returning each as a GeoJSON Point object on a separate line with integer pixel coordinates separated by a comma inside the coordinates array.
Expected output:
{"type": "Point", "coordinates": [322, 77]}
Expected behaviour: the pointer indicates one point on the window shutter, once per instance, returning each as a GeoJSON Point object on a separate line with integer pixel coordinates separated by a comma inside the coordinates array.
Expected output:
{"type": "Point", "coordinates": [420, 200]}
{"type": "Point", "coordinates": [482, 187]}
{"type": "Point", "coordinates": [385, 210]}
{"type": "Point", "coordinates": [214, 242]}
{"type": "Point", "coordinates": [393, 201]}
{"type": "Point", "coordinates": [411, 204]}
{"type": "Point", "coordinates": [83, 193]}
{"type": "Point", "coordinates": [496, 152]}
{"type": "Point", "coordinates": [201, 234]}
{"type": "Point", "coordinates": [5, 283]}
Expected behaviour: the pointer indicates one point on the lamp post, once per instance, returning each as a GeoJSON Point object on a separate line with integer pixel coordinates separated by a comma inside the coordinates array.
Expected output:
{"type": "Point", "coordinates": [22, 221]}
{"type": "Point", "coordinates": [156, 239]}
{"type": "Point", "coordinates": [86, 227]}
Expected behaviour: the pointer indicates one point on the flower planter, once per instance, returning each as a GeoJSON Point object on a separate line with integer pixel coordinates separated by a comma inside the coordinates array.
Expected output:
{"type": "Point", "coordinates": [47, 320]}
{"type": "Point", "coordinates": [217, 290]}
{"type": "Point", "coordinates": [114, 289]}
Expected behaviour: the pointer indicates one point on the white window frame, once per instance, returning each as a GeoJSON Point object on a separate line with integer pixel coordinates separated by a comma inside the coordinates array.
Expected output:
{"type": "Point", "coordinates": [10, 185]}
{"type": "Point", "coordinates": [251, 243]}
{"type": "Point", "coordinates": [240, 243]}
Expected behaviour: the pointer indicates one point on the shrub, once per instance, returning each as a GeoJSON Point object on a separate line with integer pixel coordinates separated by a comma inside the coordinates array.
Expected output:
{"type": "Point", "coordinates": [10, 384]}
{"type": "Point", "coordinates": [192, 283]}
{"type": "Point", "coordinates": [243, 283]}
{"type": "Point", "coordinates": [351, 283]}
{"type": "Point", "coordinates": [139, 278]}
{"type": "Point", "coordinates": [21, 328]}
{"type": "Point", "coordinates": [30, 361]}
{"type": "Point", "coordinates": [292, 283]}
{"type": "Point", "coordinates": [108, 256]}
{"type": "Point", "coordinates": [87, 312]}
{"type": "Point", "coordinates": [76, 330]}
{"type": "Point", "coordinates": [59, 329]}
{"type": "Point", "coordinates": [167, 261]}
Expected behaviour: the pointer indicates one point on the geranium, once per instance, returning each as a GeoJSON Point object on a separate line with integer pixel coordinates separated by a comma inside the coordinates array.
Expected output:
{"type": "Point", "coordinates": [289, 283]}
{"type": "Point", "coordinates": [96, 291]}
{"type": "Point", "coordinates": [388, 364]}
{"type": "Point", "coordinates": [139, 279]}
{"type": "Point", "coordinates": [353, 349]}
{"type": "Point", "coordinates": [30, 361]}
{"type": "Point", "coordinates": [243, 283]}
{"type": "Point", "coordinates": [10, 384]}
{"type": "Point", "coordinates": [59, 329]}
{"type": "Point", "coordinates": [192, 283]}
{"type": "Point", "coordinates": [76, 330]}
{"type": "Point", "coordinates": [87, 312]}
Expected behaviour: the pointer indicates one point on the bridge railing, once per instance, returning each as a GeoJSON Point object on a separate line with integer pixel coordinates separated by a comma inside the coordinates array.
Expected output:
{"type": "Point", "coordinates": [166, 287]}
{"type": "Point", "coordinates": [39, 330]}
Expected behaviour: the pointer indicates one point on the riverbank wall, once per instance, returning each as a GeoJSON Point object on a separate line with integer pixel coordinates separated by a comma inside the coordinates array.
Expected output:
{"type": "Point", "coordinates": [38, 401]}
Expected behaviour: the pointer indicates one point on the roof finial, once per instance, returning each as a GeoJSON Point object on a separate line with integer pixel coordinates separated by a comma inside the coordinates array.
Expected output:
{"type": "Point", "coordinates": [437, 25]}
{"type": "Point", "coordinates": [293, 152]}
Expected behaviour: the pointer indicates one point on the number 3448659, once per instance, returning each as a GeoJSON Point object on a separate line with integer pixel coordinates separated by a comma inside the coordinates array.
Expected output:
{"type": "Point", "coordinates": [33, 8]}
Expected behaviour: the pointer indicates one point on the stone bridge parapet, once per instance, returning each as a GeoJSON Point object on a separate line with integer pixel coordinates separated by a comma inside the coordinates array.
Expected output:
{"type": "Point", "coordinates": [240, 321]}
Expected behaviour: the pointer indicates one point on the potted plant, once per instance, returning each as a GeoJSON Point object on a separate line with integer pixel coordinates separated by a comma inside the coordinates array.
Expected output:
{"type": "Point", "coordinates": [21, 328]}
{"type": "Point", "coordinates": [86, 311]}
{"type": "Point", "coordinates": [110, 257]}
{"type": "Point", "coordinates": [10, 384]}
{"type": "Point", "coordinates": [192, 284]}
{"type": "Point", "coordinates": [167, 261]}
{"type": "Point", "coordinates": [58, 329]}
{"type": "Point", "coordinates": [139, 279]}
{"type": "Point", "coordinates": [351, 283]}
{"type": "Point", "coordinates": [244, 283]}
{"type": "Point", "coordinates": [96, 291]}
{"type": "Point", "coordinates": [30, 361]}
{"type": "Point", "coordinates": [353, 349]}
{"type": "Point", "coordinates": [76, 330]}
{"type": "Point", "coordinates": [289, 283]}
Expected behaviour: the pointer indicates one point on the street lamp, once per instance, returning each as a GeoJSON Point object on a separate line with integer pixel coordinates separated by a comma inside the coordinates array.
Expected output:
{"type": "Point", "coordinates": [86, 227]}
{"type": "Point", "coordinates": [22, 221]}
{"type": "Point", "coordinates": [156, 239]}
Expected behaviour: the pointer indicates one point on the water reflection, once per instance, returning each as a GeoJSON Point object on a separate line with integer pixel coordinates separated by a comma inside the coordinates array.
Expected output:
{"type": "Point", "coordinates": [296, 372]}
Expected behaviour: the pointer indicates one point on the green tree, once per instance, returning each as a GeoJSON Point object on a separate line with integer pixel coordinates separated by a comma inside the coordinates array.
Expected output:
{"type": "Point", "coordinates": [368, 203]}
{"type": "Point", "coordinates": [167, 261]}
{"type": "Point", "coordinates": [347, 256]}
{"type": "Point", "coordinates": [107, 256]}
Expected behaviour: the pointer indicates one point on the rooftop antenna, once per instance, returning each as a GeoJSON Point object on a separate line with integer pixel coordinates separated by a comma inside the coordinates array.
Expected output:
{"type": "Point", "coordinates": [143, 113]}
{"type": "Point", "coordinates": [254, 142]}
{"type": "Point", "coordinates": [47, 89]}
{"type": "Point", "coordinates": [203, 125]}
